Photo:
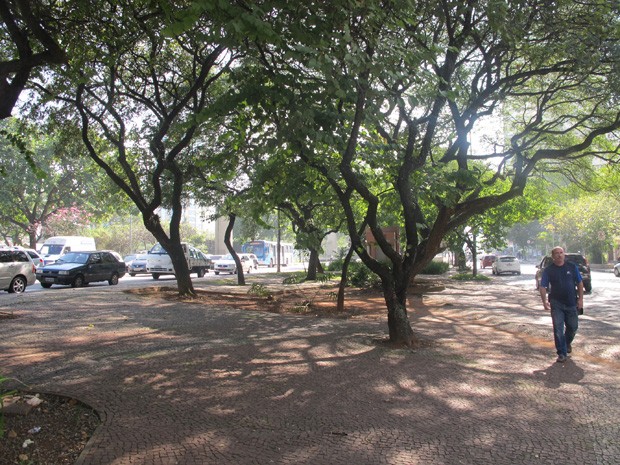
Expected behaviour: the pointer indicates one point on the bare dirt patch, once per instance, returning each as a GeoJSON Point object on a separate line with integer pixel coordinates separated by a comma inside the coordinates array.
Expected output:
{"type": "Point", "coordinates": [52, 433]}
{"type": "Point", "coordinates": [317, 301]}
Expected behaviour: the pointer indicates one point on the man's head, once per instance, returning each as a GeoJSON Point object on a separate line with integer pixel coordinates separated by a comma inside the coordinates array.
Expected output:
{"type": "Point", "coordinates": [557, 255]}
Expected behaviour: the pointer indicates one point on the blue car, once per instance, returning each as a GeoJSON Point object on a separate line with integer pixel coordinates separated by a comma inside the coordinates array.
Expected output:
{"type": "Point", "coordinates": [77, 269]}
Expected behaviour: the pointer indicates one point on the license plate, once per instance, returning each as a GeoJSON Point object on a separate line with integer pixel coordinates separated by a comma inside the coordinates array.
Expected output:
{"type": "Point", "coordinates": [49, 280]}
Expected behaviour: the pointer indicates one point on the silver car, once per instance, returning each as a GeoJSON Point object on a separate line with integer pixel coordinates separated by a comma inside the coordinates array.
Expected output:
{"type": "Point", "coordinates": [17, 270]}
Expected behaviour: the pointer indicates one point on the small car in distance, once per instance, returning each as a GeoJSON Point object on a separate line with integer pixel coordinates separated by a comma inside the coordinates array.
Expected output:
{"type": "Point", "coordinates": [80, 268]}
{"type": "Point", "coordinates": [34, 255]}
{"type": "Point", "coordinates": [487, 260]}
{"type": "Point", "coordinates": [17, 270]}
{"type": "Point", "coordinates": [137, 265]}
{"type": "Point", "coordinates": [227, 264]}
{"type": "Point", "coordinates": [617, 270]}
{"type": "Point", "coordinates": [506, 264]}
{"type": "Point", "coordinates": [212, 259]}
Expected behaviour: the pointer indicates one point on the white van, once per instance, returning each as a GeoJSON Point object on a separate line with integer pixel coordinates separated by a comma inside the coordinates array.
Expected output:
{"type": "Point", "coordinates": [158, 261]}
{"type": "Point", "coordinates": [54, 247]}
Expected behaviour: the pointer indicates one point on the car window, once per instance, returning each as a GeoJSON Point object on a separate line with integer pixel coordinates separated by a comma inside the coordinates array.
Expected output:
{"type": "Point", "coordinates": [108, 258]}
{"type": "Point", "coordinates": [74, 257]}
{"type": "Point", "coordinates": [508, 259]}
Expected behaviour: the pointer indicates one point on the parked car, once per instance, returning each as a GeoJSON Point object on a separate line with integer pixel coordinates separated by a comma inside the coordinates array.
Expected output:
{"type": "Point", "coordinates": [137, 265]}
{"type": "Point", "coordinates": [37, 259]}
{"type": "Point", "coordinates": [487, 260]}
{"type": "Point", "coordinates": [128, 259]}
{"type": "Point", "coordinates": [228, 265]}
{"type": "Point", "coordinates": [617, 270]}
{"type": "Point", "coordinates": [506, 264]}
{"type": "Point", "coordinates": [577, 259]}
{"type": "Point", "coordinates": [213, 259]}
{"type": "Point", "coordinates": [80, 268]}
{"type": "Point", "coordinates": [17, 271]}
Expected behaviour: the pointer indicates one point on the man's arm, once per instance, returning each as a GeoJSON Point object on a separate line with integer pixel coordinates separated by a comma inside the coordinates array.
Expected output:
{"type": "Point", "coordinates": [580, 294]}
{"type": "Point", "coordinates": [542, 288]}
{"type": "Point", "coordinates": [543, 296]}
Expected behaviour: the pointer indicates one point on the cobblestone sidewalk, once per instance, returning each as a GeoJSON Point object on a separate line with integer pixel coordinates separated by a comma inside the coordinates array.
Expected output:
{"type": "Point", "coordinates": [193, 384]}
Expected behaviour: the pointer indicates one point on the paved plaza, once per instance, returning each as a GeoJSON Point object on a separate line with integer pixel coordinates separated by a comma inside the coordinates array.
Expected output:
{"type": "Point", "coordinates": [187, 383]}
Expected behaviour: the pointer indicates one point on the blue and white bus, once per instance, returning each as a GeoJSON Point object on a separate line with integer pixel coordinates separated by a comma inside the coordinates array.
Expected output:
{"type": "Point", "coordinates": [266, 252]}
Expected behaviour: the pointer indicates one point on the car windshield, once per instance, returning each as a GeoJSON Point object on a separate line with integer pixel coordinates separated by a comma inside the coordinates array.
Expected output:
{"type": "Point", "coordinates": [228, 257]}
{"type": "Point", "coordinates": [508, 259]}
{"type": "Point", "coordinates": [158, 249]}
{"type": "Point", "coordinates": [73, 257]}
{"type": "Point", "coordinates": [578, 259]}
{"type": "Point", "coordinates": [51, 249]}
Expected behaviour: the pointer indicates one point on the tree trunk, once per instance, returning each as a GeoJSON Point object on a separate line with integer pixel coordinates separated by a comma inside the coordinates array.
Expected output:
{"type": "Point", "coordinates": [343, 280]}
{"type": "Point", "coordinates": [400, 331]}
{"type": "Point", "coordinates": [313, 263]}
{"type": "Point", "coordinates": [181, 270]}
{"type": "Point", "coordinates": [227, 235]}
{"type": "Point", "coordinates": [175, 251]}
{"type": "Point", "coordinates": [32, 239]}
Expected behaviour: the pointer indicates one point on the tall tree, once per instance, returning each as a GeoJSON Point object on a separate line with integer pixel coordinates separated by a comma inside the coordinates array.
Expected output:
{"type": "Point", "coordinates": [28, 40]}
{"type": "Point", "coordinates": [144, 85]}
{"type": "Point", "coordinates": [62, 181]}
{"type": "Point", "coordinates": [382, 99]}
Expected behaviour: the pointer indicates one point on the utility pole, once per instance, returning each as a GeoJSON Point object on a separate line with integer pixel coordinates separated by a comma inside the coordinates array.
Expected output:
{"type": "Point", "coordinates": [278, 245]}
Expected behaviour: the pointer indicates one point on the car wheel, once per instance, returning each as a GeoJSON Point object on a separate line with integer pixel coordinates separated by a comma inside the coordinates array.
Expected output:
{"type": "Point", "coordinates": [46, 285]}
{"type": "Point", "coordinates": [617, 272]}
{"type": "Point", "coordinates": [18, 285]}
{"type": "Point", "coordinates": [518, 272]}
{"type": "Point", "coordinates": [113, 281]}
{"type": "Point", "coordinates": [201, 272]}
{"type": "Point", "coordinates": [587, 286]}
{"type": "Point", "coordinates": [155, 275]}
{"type": "Point", "coordinates": [132, 274]}
{"type": "Point", "coordinates": [78, 281]}
{"type": "Point", "coordinates": [216, 272]}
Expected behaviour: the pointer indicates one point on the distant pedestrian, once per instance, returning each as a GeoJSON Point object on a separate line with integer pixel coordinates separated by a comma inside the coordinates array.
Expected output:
{"type": "Point", "coordinates": [564, 283]}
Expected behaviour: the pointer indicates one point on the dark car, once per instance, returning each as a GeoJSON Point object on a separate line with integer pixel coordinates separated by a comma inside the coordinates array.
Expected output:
{"type": "Point", "coordinates": [577, 259]}
{"type": "Point", "coordinates": [79, 268]}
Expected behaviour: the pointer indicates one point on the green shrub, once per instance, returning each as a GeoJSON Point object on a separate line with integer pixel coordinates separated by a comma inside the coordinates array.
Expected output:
{"type": "Point", "coordinates": [335, 265]}
{"type": "Point", "coordinates": [259, 290]}
{"type": "Point", "coordinates": [436, 268]}
{"type": "Point", "coordinates": [359, 275]}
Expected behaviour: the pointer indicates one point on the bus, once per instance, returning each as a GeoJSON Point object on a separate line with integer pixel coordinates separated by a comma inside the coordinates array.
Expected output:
{"type": "Point", "coordinates": [266, 252]}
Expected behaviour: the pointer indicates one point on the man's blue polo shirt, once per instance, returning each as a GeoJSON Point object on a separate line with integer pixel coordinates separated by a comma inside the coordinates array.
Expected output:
{"type": "Point", "coordinates": [563, 280]}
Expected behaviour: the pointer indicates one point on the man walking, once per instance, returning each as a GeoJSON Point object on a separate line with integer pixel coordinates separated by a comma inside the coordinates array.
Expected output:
{"type": "Point", "coordinates": [560, 279]}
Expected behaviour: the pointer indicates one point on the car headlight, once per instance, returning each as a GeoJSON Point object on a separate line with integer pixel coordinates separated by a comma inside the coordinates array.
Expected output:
{"type": "Point", "coordinates": [63, 272]}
